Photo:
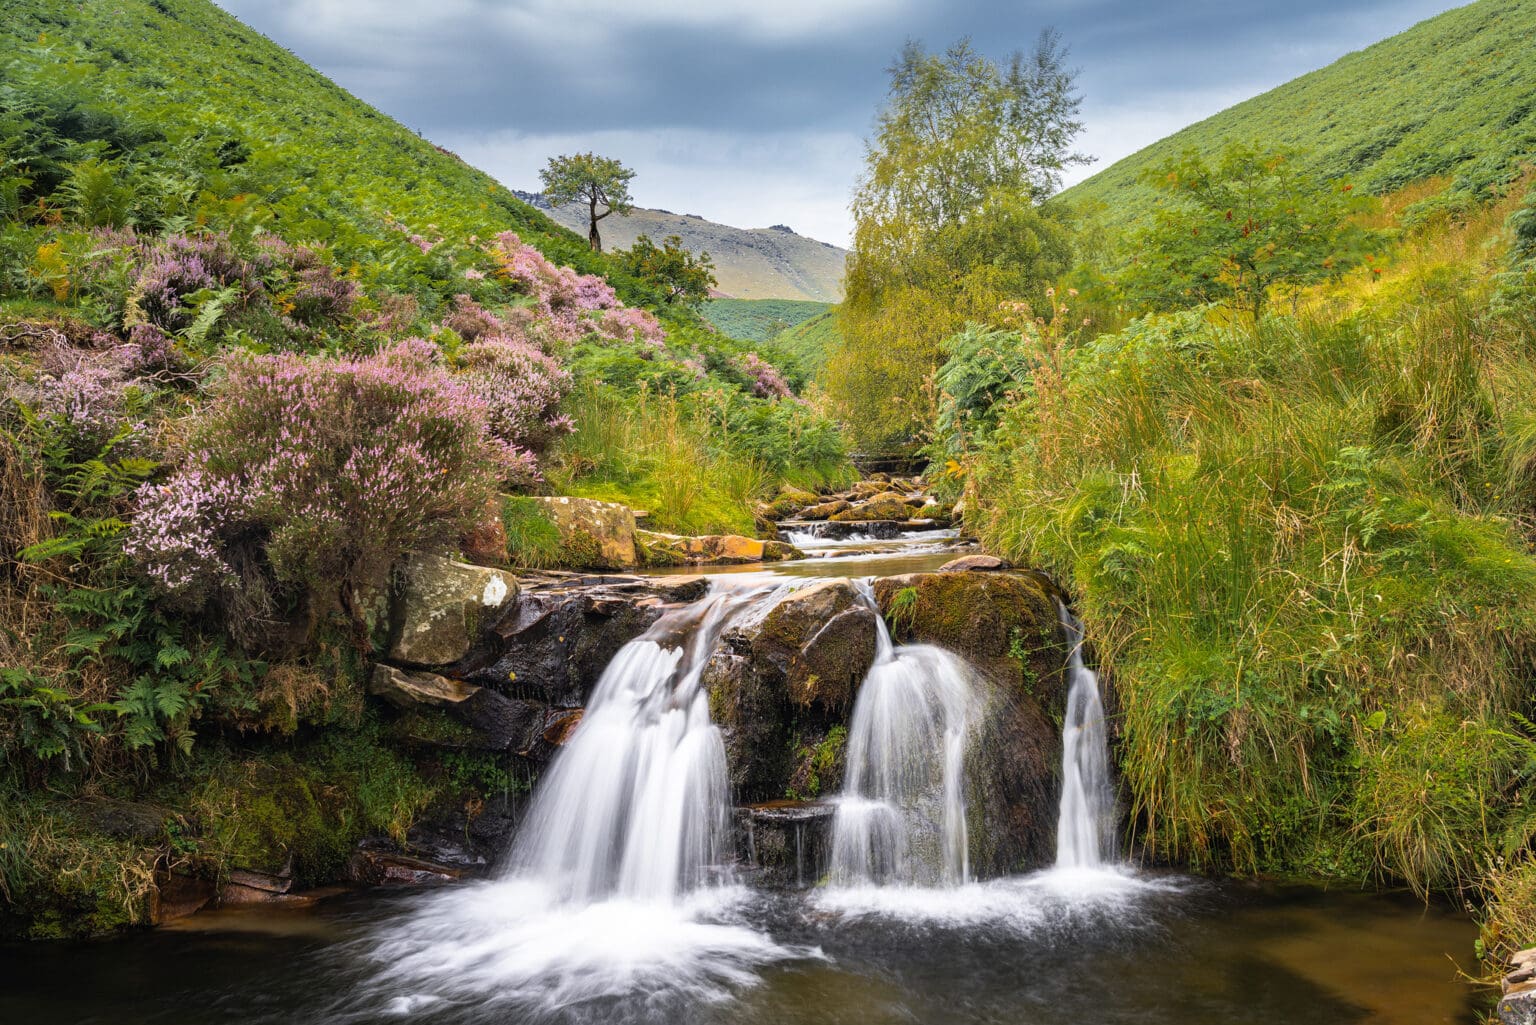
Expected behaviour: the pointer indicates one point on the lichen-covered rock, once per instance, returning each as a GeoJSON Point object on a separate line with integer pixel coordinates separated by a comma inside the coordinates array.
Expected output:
{"type": "Point", "coordinates": [593, 534]}
{"type": "Point", "coordinates": [441, 608]}
{"type": "Point", "coordinates": [884, 507]}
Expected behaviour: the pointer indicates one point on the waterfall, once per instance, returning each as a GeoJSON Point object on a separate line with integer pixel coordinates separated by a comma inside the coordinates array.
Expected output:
{"type": "Point", "coordinates": [1085, 831]}
{"type": "Point", "coordinates": [901, 816]}
{"type": "Point", "coordinates": [637, 804]}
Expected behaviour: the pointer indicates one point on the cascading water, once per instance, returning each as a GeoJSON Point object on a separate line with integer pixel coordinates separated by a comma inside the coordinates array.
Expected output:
{"type": "Point", "coordinates": [901, 816]}
{"type": "Point", "coordinates": [617, 883]}
{"type": "Point", "coordinates": [1085, 831]}
{"type": "Point", "coordinates": [636, 806]}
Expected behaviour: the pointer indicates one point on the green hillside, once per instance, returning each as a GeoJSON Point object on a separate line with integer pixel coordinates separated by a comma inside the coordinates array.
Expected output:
{"type": "Point", "coordinates": [757, 320]}
{"type": "Point", "coordinates": [201, 120]}
{"type": "Point", "coordinates": [1454, 95]}
{"type": "Point", "coordinates": [812, 341]}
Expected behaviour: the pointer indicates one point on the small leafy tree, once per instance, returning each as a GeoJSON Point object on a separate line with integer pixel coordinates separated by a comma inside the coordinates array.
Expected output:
{"type": "Point", "coordinates": [1233, 231]}
{"type": "Point", "coordinates": [591, 179]}
{"type": "Point", "coordinates": [676, 272]}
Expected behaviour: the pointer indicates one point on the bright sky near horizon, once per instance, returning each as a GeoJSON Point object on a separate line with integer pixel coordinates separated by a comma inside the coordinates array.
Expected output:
{"type": "Point", "coordinates": [752, 113]}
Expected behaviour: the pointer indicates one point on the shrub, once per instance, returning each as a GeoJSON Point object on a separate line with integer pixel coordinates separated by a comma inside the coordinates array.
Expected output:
{"type": "Point", "coordinates": [336, 468]}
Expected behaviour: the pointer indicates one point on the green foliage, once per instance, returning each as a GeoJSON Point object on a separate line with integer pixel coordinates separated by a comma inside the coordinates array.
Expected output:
{"type": "Point", "coordinates": [99, 112]}
{"type": "Point", "coordinates": [947, 222]}
{"type": "Point", "coordinates": [811, 342]}
{"type": "Point", "coordinates": [590, 179]}
{"type": "Point", "coordinates": [1295, 548]}
{"type": "Point", "coordinates": [533, 540]}
{"type": "Point", "coordinates": [1450, 96]}
{"type": "Point", "coordinates": [1235, 230]}
{"type": "Point", "coordinates": [675, 273]}
{"type": "Point", "coordinates": [902, 614]}
{"type": "Point", "coordinates": [758, 320]}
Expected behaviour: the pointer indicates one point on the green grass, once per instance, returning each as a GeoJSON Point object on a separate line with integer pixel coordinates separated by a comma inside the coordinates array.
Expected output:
{"type": "Point", "coordinates": [1453, 96]}
{"type": "Point", "coordinates": [1298, 552]}
{"type": "Point", "coordinates": [758, 320]}
{"type": "Point", "coordinates": [177, 83]}
{"type": "Point", "coordinates": [811, 342]}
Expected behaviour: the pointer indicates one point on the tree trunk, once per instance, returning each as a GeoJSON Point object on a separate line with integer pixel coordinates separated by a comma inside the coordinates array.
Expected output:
{"type": "Point", "coordinates": [593, 238]}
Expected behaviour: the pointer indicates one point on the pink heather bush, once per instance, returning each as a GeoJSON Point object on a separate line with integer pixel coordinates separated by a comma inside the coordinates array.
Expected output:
{"type": "Point", "coordinates": [564, 300]}
{"type": "Point", "coordinates": [179, 534]}
{"type": "Point", "coordinates": [632, 325]}
{"type": "Point", "coordinates": [767, 382]}
{"type": "Point", "coordinates": [520, 386]}
{"type": "Point", "coordinates": [86, 390]}
{"type": "Point", "coordinates": [342, 465]}
{"type": "Point", "coordinates": [181, 265]}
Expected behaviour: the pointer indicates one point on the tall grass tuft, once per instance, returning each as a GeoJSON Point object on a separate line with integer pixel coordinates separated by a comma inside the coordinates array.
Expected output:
{"type": "Point", "coordinates": [1301, 551]}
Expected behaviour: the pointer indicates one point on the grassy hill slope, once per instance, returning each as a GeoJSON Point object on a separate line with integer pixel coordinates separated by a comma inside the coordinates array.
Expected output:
{"type": "Point", "coordinates": [757, 320]}
{"type": "Point", "coordinates": [182, 79]}
{"type": "Point", "coordinates": [1453, 96]}
{"type": "Point", "coordinates": [811, 342]}
{"type": "Point", "coordinates": [750, 263]}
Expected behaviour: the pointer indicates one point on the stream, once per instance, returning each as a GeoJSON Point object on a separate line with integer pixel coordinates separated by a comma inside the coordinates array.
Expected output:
{"type": "Point", "coordinates": [618, 903]}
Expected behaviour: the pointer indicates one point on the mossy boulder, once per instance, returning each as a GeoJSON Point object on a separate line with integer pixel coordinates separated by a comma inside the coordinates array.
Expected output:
{"type": "Point", "coordinates": [593, 534]}
{"type": "Point", "coordinates": [1006, 626]}
{"type": "Point", "coordinates": [825, 510]}
{"type": "Point", "coordinates": [783, 683]}
{"type": "Point", "coordinates": [710, 549]}
{"type": "Point", "coordinates": [789, 502]}
{"type": "Point", "coordinates": [883, 507]}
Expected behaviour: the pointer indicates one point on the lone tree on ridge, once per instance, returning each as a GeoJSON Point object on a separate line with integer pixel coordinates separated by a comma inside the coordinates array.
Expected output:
{"type": "Point", "coordinates": [597, 181]}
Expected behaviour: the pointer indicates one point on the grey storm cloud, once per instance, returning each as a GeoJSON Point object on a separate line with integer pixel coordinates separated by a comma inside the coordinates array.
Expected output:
{"type": "Point", "coordinates": [697, 94]}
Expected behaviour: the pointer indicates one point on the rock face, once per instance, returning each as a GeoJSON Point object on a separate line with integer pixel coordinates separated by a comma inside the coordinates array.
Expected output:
{"type": "Point", "coordinates": [1518, 1004]}
{"type": "Point", "coordinates": [554, 642]}
{"type": "Point", "coordinates": [781, 685]}
{"type": "Point", "coordinates": [975, 564]}
{"type": "Point", "coordinates": [1006, 625]}
{"type": "Point", "coordinates": [593, 534]}
{"type": "Point", "coordinates": [825, 510]}
{"type": "Point", "coordinates": [441, 608]}
{"type": "Point", "coordinates": [410, 690]}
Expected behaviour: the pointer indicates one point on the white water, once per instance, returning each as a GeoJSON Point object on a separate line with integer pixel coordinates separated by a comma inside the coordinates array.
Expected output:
{"type": "Point", "coordinates": [636, 806]}
{"type": "Point", "coordinates": [1085, 830]}
{"type": "Point", "coordinates": [619, 882]}
{"type": "Point", "coordinates": [901, 816]}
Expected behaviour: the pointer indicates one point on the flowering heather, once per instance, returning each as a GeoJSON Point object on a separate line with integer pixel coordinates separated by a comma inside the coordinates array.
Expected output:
{"type": "Point", "coordinates": [182, 265]}
{"type": "Point", "coordinates": [153, 350]}
{"type": "Point", "coordinates": [86, 389]}
{"type": "Point", "coordinates": [179, 533]}
{"type": "Point", "coordinates": [632, 325]}
{"type": "Point", "coordinates": [343, 465]}
{"type": "Point", "coordinates": [564, 300]}
{"type": "Point", "coordinates": [319, 297]}
{"type": "Point", "coordinates": [469, 320]}
{"type": "Point", "coordinates": [520, 386]}
{"type": "Point", "coordinates": [767, 382]}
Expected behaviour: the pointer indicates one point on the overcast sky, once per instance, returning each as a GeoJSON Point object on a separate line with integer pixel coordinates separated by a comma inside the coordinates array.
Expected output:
{"type": "Point", "coordinates": [754, 112]}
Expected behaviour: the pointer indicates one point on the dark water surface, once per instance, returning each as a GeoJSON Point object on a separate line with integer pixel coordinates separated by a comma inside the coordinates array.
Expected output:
{"type": "Point", "coordinates": [1153, 951]}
